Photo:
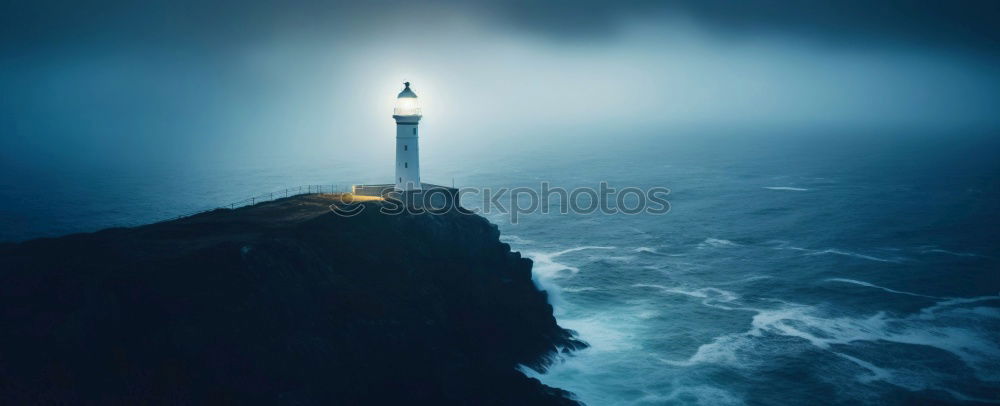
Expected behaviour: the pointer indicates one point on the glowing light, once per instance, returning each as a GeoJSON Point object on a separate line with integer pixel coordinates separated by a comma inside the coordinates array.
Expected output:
{"type": "Point", "coordinates": [407, 106]}
{"type": "Point", "coordinates": [353, 198]}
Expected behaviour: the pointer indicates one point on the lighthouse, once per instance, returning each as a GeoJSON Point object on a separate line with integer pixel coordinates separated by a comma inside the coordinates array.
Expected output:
{"type": "Point", "coordinates": [407, 116]}
{"type": "Point", "coordinates": [406, 187]}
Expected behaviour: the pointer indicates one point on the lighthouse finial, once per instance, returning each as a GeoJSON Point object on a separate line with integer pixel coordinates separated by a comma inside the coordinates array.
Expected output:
{"type": "Point", "coordinates": [407, 84]}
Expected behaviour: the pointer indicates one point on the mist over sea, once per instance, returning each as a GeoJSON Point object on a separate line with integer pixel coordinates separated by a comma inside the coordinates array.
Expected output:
{"type": "Point", "coordinates": [839, 267]}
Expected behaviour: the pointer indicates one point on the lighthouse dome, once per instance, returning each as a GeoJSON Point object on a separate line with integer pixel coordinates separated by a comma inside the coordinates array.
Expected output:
{"type": "Point", "coordinates": [406, 103]}
{"type": "Point", "coordinates": [407, 92]}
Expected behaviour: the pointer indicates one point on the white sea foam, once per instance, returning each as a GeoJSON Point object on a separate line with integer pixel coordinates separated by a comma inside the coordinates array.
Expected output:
{"type": "Point", "coordinates": [619, 258]}
{"type": "Point", "coordinates": [929, 312]}
{"type": "Point", "coordinates": [580, 289]}
{"type": "Point", "coordinates": [834, 251]}
{"type": "Point", "coordinates": [910, 380]}
{"type": "Point", "coordinates": [850, 254]}
{"type": "Point", "coordinates": [794, 189]}
{"type": "Point", "coordinates": [646, 314]}
{"type": "Point", "coordinates": [945, 325]}
{"type": "Point", "coordinates": [654, 251]}
{"type": "Point", "coordinates": [546, 269]}
{"type": "Point", "coordinates": [513, 239]}
{"type": "Point", "coordinates": [607, 331]}
{"type": "Point", "coordinates": [946, 252]}
{"type": "Point", "coordinates": [546, 265]}
{"type": "Point", "coordinates": [649, 285]}
{"type": "Point", "coordinates": [585, 247]}
{"type": "Point", "coordinates": [874, 373]}
{"type": "Point", "coordinates": [612, 334]}
{"type": "Point", "coordinates": [721, 350]}
{"type": "Point", "coordinates": [874, 286]}
{"type": "Point", "coordinates": [712, 296]}
{"type": "Point", "coordinates": [748, 279]}
{"type": "Point", "coordinates": [716, 243]}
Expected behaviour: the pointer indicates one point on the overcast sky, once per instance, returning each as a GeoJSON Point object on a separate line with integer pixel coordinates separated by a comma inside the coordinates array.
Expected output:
{"type": "Point", "coordinates": [184, 81]}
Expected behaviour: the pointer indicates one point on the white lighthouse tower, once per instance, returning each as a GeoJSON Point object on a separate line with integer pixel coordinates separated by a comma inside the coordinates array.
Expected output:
{"type": "Point", "coordinates": [407, 187]}
{"type": "Point", "coordinates": [407, 115]}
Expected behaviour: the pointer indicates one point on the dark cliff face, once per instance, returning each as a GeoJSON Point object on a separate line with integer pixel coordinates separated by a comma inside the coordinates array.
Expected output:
{"type": "Point", "coordinates": [283, 302]}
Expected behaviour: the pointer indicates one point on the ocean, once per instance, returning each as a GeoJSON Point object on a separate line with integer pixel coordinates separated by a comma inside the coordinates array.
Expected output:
{"type": "Point", "coordinates": [843, 267]}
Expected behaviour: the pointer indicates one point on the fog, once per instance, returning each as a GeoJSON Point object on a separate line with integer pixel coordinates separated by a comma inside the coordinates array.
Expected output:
{"type": "Point", "coordinates": [117, 85]}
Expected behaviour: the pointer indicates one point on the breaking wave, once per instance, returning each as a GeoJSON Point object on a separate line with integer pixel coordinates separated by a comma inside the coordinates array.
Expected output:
{"type": "Point", "coordinates": [650, 251]}
{"type": "Point", "coordinates": [712, 296]}
{"type": "Point", "coordinates": [546, 266]}
{"type": "Point", "coordinates": [874, 286]}
{"type": "Point", "coordinates": [580, 289]}
{"type": "Point", "coordinates": [834, 251]}
{"type": "Point", "coordinates": [851, 254]}
{"type": "Point", "coordinates": [945, 325]}
{"type": "Point", "coordinates": [717, 243]}
{"type": "Point", "coordinates": [947, 252]}
{"type": "Point", "coordinates": [794, 189]}
{"type": "Point", "coordinates": [513, 239]}
{"type": "Point", "coordinates": [748, 279]}
{"type": "Point", "coordinates": [546, 269]}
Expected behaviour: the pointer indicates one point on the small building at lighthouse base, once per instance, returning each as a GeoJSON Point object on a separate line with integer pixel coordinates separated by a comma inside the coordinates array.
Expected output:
{"type": "Point", "coordinates": [429, 196]}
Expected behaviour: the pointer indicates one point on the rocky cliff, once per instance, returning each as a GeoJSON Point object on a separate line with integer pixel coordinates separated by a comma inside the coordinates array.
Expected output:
{"type": "Point", "coordinates": [283, 302]}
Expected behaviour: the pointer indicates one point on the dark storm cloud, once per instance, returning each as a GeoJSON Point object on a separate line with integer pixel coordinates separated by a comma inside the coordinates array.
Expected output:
{"type": "Point", "coordinates": [971, 24]}
{"type": "Point", "coordinates": [965, 25]}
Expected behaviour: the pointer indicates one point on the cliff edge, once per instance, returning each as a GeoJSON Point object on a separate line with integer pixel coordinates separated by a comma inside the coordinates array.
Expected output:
{"type": "Point", "coordinates": [282, 302]}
